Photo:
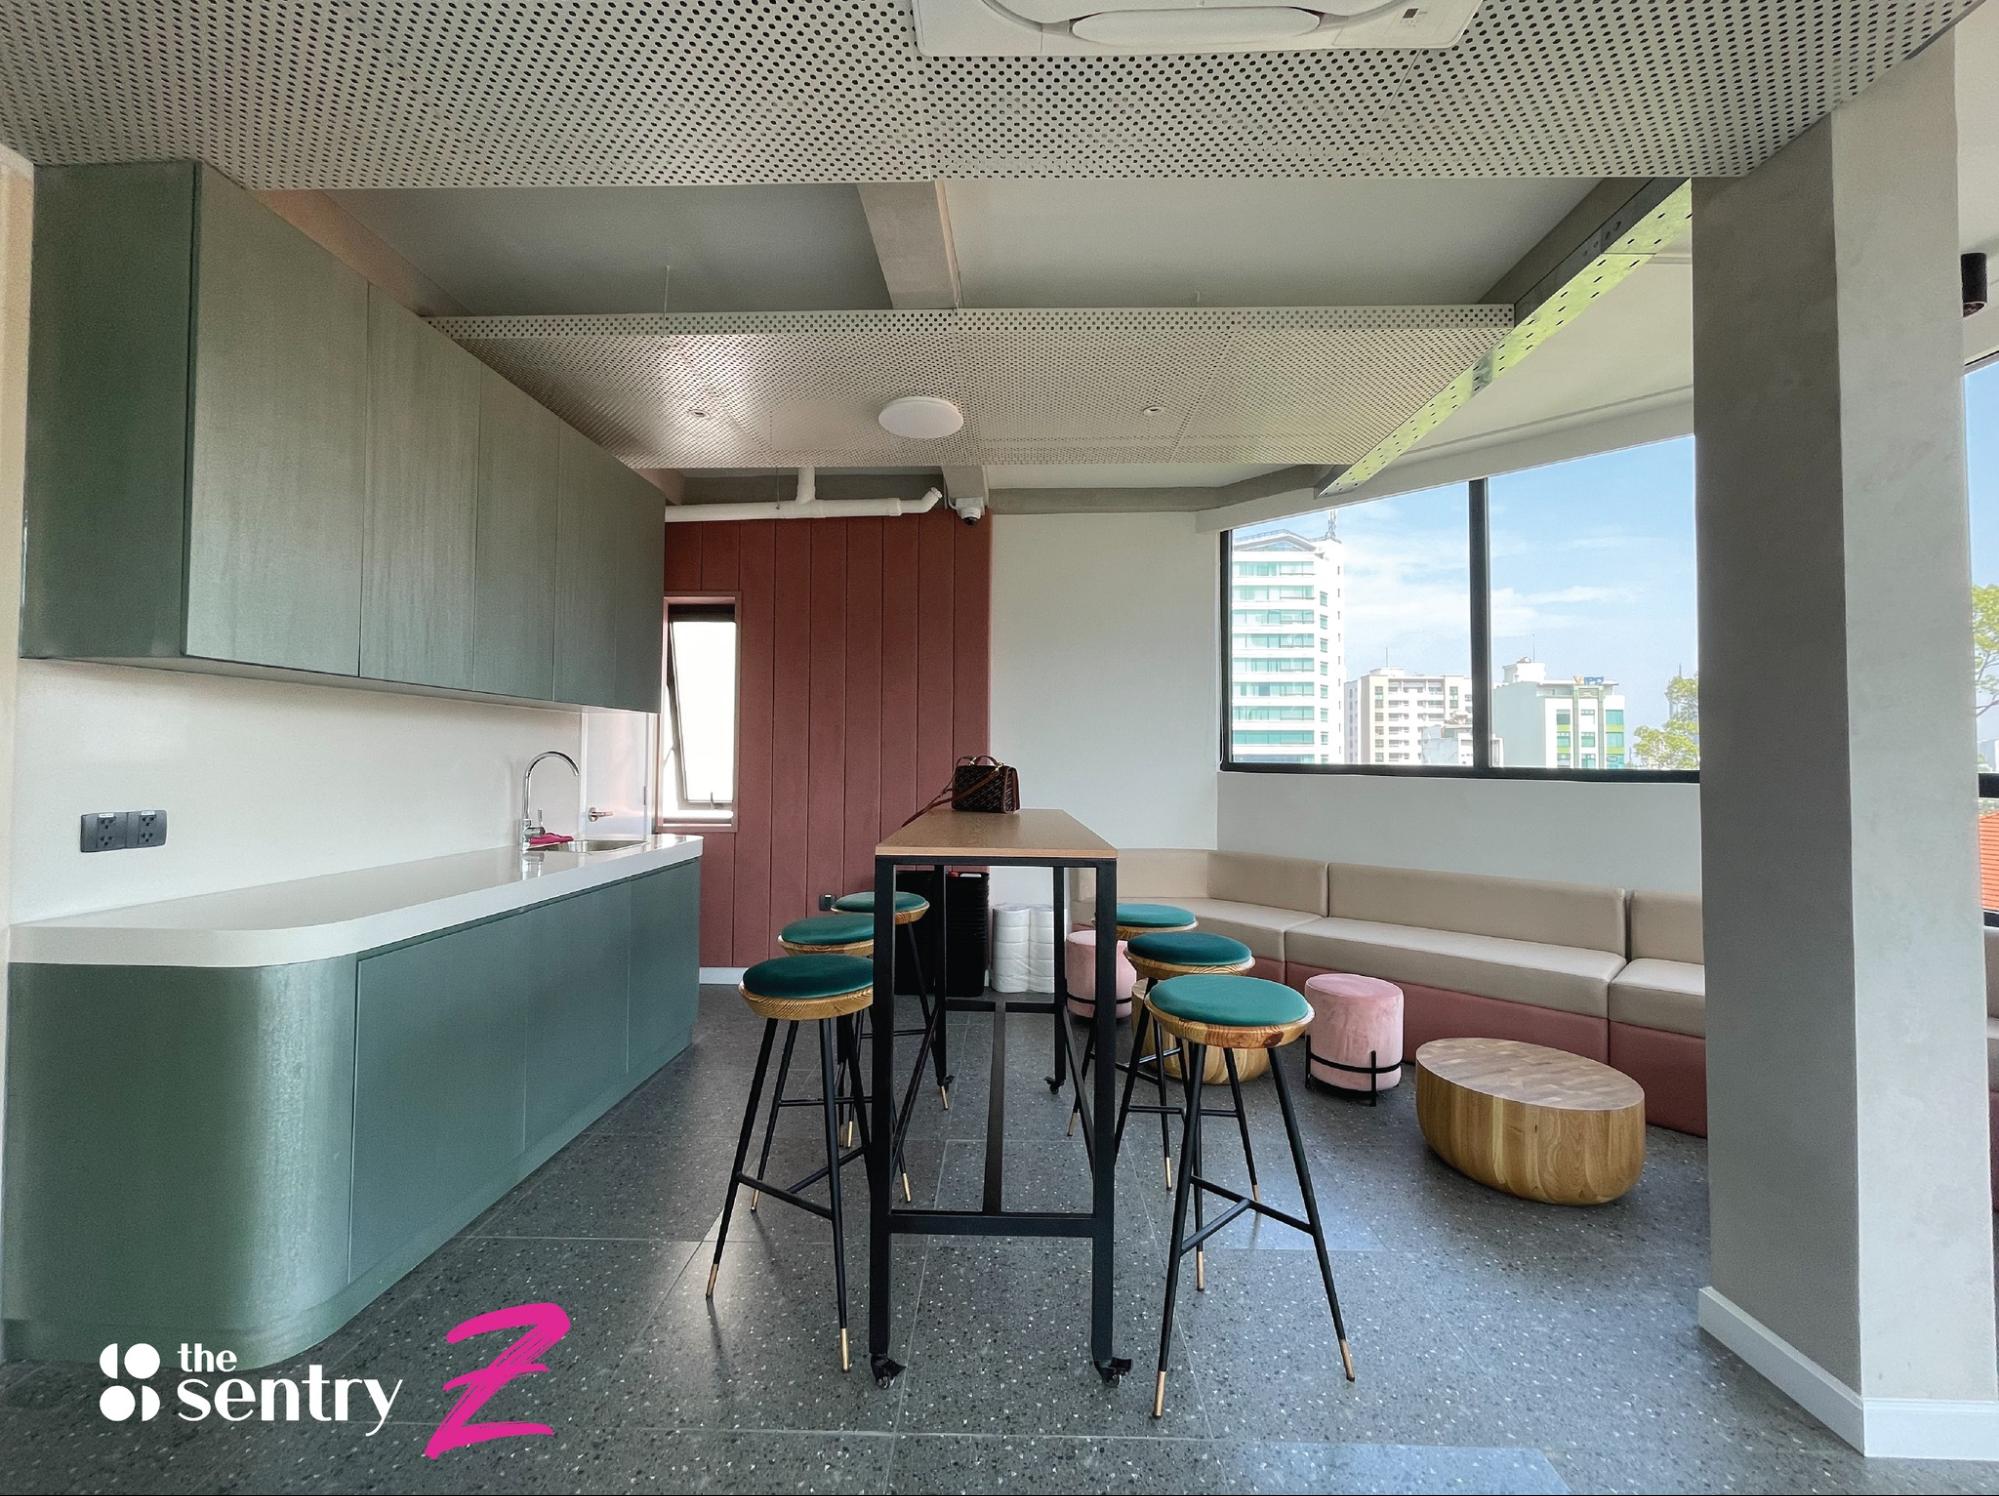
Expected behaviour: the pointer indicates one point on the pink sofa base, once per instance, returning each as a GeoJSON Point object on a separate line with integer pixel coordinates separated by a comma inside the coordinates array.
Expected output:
{"type": "Point", "coordinates": [1434, 1013]}
{"type": "Point", "coordinates": [1673, 1070]}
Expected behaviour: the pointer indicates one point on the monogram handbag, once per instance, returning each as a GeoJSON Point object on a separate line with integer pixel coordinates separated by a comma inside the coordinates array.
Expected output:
{"type": "Point", "coordinates": [984, 783]}
{"type": "Point", "coordinates": [978, 782]}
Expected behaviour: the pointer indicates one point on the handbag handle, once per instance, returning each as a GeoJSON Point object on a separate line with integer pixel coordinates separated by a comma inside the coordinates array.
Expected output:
{"type": "Point", "coordinates": [951, 789]}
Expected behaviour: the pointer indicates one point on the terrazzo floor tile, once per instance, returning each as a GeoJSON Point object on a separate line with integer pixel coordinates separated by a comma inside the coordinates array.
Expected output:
{"type": "Point", "coordinates": [608, 1289]}
{"type": "Point", "coordinates": [325, 1459]}
{"type": "Point", "coordinates": [54, 1438]}
{"type": "Point", "coordinates": [627, 1186]}
{"type": "Point", "coordinates": [1002, 1345]}
{"type": "Point", "coordinates": [989, 1463]}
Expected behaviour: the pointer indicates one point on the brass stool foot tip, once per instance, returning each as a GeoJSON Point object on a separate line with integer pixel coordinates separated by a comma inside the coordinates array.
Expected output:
{"type": "Point", "coordinates": [846, 1361]}
{"type": "Point", "coordinates": [1070, 1130]}
{"type": "Point", "coordinates": [1159, 1397]}
{"type": "Point", "coordinates": [1200, 1271]}
{"type": "Point", "coordinates": [713, 1269]}
{"type": "Point", "coordinates": [1346, 1356]}
{"type": "Point", "coordinates": [847, 1138]}
{"type": "Point", "coordinates": [1256, 1193]}
{"type": "Point", "coordinates": [1168, 1165]}
{"type": "Point", "coordinates": [906, 1197]}
{"type": "Point", "coordinates": [755, 1195]}
{"type": "Point", "coordinates": [944, 1095]}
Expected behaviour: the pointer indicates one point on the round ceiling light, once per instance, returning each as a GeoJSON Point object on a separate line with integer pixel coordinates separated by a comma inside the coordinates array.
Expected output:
{"type": "Point", "coordinates": [921, 417]}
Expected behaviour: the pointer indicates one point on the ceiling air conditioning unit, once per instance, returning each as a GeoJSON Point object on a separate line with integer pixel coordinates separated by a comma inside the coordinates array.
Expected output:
{"type": "Point", "coordinates": [1075, 28]}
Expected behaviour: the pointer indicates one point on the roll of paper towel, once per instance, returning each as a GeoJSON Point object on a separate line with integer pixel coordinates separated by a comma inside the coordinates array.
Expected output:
{"type": "Point", "coordinates": [1023, 948]}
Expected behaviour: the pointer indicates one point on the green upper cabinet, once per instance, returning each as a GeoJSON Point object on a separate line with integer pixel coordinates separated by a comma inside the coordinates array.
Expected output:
{"type": "Point", "coordinates": [513, 593]}
{"type": "Point", "coordinates": [242, 455]}
{"type": "Point", "coordinates": [588, 538]}
{"type": "Point", "coordinates": [641, 582]}
{"type": "Point", "coordinates": [280, 436]}
{"type": "Point", "coordinates": [423, 474]}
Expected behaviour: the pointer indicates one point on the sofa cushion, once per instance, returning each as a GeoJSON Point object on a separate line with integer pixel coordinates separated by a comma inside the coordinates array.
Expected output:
{"type": "Point", "coordinates": [1273, 882]}
{"type": "Point", "coordinates": [1567, 978]}
{"type": "Point", "coordinates": [1666, 927]}
{"type": "Point", "coordinates": [1556, 914]}
{"type": "Point", "coordinates": [1172, 875]}
{"type": "Point", "coordinates": [1655, 994]}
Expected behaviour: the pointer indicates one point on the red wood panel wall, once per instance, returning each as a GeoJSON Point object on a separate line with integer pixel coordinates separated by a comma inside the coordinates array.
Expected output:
{"type": "Point", "coordinates": [865, 670]}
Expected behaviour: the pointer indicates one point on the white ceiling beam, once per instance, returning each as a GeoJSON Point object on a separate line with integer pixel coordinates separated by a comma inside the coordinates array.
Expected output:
{"type": "Point", "coordinates": [911, 225]}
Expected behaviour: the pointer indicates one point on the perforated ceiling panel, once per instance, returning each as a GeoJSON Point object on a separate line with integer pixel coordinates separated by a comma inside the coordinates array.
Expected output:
{"type": "Point", "coordinates": [1255, 385]}
{"type": "Point", "coordinates": [360, 93]}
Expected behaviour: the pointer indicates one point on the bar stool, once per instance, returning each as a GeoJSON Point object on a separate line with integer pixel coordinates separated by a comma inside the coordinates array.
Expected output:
{"type": "Point", "coordinates": [1132, 919]}
{"type": "Point", "coordinates": [909, 908]}
{"type": "Point", "coordinates": [1157, 958]}
{"type": "Point", "coordinates": [1231, 1013]}
{"type": "Point", "coordinates": [826, 989]}
{"type": "Point", "coordinates": [827, 935]}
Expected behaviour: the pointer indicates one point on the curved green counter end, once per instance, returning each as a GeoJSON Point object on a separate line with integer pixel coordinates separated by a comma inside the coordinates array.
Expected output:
{"type": "Point", "coordinates": [246, 1157]}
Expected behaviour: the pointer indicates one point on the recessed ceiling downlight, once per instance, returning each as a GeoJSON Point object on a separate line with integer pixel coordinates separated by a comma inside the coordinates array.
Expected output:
{"type": "Point", "coordinates": [921, 418]}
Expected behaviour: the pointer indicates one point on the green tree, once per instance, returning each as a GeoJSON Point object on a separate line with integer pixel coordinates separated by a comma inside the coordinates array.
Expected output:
{"type": "Point", "coordinates": [1985, 645]}
{"type": "Point", "coordinates": [1677, 745]}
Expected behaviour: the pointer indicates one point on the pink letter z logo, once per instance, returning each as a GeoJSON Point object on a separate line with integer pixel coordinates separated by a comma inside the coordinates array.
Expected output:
{"type": "Point", "coordinates": [544, 1325]}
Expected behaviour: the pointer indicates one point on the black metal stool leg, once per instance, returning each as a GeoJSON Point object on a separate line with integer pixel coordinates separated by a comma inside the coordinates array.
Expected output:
{"type": "Point", "coordinates": [1312, 1211]}
{"type": "Point", "coordinates": [743, 1150]}
{"type": "Point", "coordinates": [1242, 1120]}
{"type": "Point", "coordinates": [1141, 1020]}
{"type": "Point", "coordinates": [828, 1074]}
{"type": "Point", "coordinates": [851, 1048]}
{"type": "Point", "coordinates": [1191, 1161]}
{"type": "Point", "coordinates": [930, 1018]}
{"type": "Point", "coordinates": [1189, 1141]}
{"type": "Point", "coordinates": [1083, 1068]}
{"type": "Point", "coordinates": [776, 1106]}
{"type": "Point", "coordinates": [856, 1093]}
{"type": "Point", "coordinates": [1159, 1076]}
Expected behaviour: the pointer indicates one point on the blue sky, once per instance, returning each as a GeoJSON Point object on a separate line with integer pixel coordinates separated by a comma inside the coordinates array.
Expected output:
{"type": "Point", "coordinates": [1592, 572]}
{"type": "Point", "coordinates": [1592, 565]}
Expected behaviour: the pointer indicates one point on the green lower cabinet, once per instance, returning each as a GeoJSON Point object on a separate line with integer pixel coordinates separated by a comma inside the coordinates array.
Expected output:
{"type": "Point", "coordinates": [440, 1073]}
{"type": "Point", "coordinates": [577, 964]}
{"type": "Point", "coordinates": [247, 1156]}
{"type": "Point", "coordinates": [179, 1156]}
{"type": "Point", "coordinates": [666, 966]}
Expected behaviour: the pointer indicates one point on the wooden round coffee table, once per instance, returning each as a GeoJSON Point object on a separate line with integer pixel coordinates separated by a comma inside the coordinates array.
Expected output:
{"type": "Point", "coordinates": [1539, 1123]}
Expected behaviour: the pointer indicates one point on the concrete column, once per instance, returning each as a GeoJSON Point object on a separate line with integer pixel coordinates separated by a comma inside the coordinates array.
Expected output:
{"type": "Point", "coordinates": [1851, 1202]}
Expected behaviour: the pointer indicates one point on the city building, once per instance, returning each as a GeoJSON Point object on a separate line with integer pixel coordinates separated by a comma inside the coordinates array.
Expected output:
{"type": "Point", "coordinates": [1286, 649]}
{"type": "Point", "coordinates": [1573, 723]}
{"type": "Point", "coordinates": [1449, 744]}
{"type": "Point", "coordinates": [1389, 709]}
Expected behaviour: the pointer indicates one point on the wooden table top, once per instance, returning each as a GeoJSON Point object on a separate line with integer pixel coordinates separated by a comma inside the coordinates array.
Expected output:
{"type": "Point", "coordinates": [1530, 1074]}
{"type": "Point", "coordinates": [972, 834]}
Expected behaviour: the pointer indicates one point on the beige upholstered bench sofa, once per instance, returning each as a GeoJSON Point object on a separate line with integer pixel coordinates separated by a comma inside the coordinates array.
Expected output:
{"type": "Point", "coordinates": [1615, 975]}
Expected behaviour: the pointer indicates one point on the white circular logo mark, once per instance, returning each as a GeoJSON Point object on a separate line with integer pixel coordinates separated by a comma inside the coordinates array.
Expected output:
{"type": "Point", "coordinates": [119, 1402]}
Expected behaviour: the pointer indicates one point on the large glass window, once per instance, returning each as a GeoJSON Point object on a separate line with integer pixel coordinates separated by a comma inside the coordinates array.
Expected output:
{"type": "Point", "coordinates": [1594, 648]}
{"type": "Point", "coordinates": [1981, 431]}
{"type": "Point", "coordinates": [1387, 649]}
{"type": "Point", "coordinates": [698, 746]}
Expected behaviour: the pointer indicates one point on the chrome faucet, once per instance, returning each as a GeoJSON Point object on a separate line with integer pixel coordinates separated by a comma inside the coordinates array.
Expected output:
{"type": "Point", "coordinates": [531, 825]}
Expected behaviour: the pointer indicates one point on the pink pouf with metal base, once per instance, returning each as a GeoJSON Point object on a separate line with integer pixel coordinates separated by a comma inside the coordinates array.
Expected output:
{"type": "Point", "coordinates": [1355, 1042]}
{"type": "Point", "coordinates": [1082, 968]}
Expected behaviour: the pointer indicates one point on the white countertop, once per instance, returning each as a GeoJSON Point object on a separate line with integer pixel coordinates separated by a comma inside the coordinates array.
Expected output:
{"type": "Point", "coordinates": [336, 914]}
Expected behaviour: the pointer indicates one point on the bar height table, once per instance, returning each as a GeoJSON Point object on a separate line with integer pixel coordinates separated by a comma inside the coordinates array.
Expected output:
{"type": "Point", "coordinates": [1025, 838]}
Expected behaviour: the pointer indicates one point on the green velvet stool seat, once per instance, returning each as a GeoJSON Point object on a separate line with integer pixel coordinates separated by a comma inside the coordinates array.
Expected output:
{"type": "Point", "coordinates": [849, 934]}
{"type": "Point", "coordinates": [826, 988]}
{"type": "Point", "coordinates": [1144, 919]}
{"type": "Point", "coordinates": [1234, 1014]}
{"type": "Point", "coordinates": [909, 907]}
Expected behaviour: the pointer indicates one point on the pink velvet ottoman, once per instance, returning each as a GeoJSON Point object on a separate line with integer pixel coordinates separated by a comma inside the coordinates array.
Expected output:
{"type": "Point", "coordinates": [1082, 969]}
{"type": "Point", "coordinates": [1356, 1024]}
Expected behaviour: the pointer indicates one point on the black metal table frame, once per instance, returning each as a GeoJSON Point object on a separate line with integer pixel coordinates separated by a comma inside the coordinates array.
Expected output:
{"type": "Point", "coordinates": [886, 1219]}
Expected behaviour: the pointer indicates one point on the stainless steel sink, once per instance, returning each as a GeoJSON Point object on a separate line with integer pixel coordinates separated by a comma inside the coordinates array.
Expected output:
{"type": "Point", "coordinates": [599, 844]}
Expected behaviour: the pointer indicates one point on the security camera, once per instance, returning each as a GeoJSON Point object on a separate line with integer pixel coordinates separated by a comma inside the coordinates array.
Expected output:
{"type": "Point", "coordinates": [971, 508]}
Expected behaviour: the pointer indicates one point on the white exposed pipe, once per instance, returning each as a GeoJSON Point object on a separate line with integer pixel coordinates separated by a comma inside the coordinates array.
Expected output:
{"type": "Point", "coordinates": [815, 509]}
